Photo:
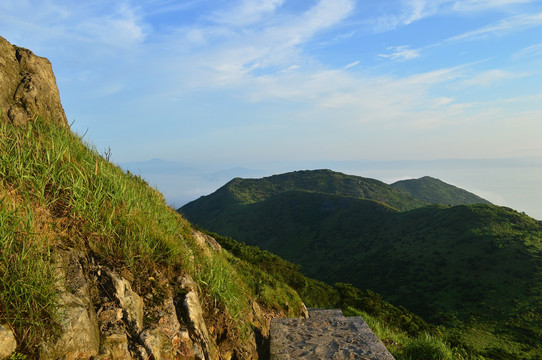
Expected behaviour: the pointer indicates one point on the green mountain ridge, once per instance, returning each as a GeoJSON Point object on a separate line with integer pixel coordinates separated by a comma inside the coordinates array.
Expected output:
{"type": "Point", "coordinates": [474, 267]}
{"type": "Point", "coordinates": [247, 191]}
{"type": "Point", "coordinates": [435, 191]}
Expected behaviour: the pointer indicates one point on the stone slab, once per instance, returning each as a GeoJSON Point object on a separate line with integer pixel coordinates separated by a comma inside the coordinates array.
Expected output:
{"type": "Point", "coordinates": [326, 334]}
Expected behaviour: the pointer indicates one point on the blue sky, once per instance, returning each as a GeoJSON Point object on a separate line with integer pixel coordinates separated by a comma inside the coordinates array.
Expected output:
{"type": "Point", "coordinates": [245, 81]}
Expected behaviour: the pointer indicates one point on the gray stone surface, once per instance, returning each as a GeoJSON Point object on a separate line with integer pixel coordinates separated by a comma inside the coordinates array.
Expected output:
{"type": "Point", "coordinates": [326, 334]}
{"type": "Point", "coordinates": [324, 313]}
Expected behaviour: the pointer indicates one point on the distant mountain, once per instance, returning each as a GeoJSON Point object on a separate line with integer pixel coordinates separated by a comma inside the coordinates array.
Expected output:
{"type": "Point", "coordinates": [477, 267]}
{"type": "Point", "coordinates": [248, 191]}
{"type": "Point", "coordinates": [436, 191]}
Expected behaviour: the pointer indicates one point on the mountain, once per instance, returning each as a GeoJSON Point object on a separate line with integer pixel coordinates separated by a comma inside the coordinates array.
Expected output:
{"type": "Point", "coordinates": [476, 268]}
{"type": "Point", "coordinates": [94, 264]}
{"type": "Point", "coordinates": [247, 191]}
{"type": "Point", "coordinates": [435, 191]}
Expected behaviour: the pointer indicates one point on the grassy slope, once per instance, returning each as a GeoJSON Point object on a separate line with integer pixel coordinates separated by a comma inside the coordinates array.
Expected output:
{"type": "Point", "coordinates": [406, 335]}
{"type": "Point", "coordinates": [477, 268]}
{"type": "Point", "coordinates": [55, 191]}
{"type": "Point", "coordinates": [436, 191]}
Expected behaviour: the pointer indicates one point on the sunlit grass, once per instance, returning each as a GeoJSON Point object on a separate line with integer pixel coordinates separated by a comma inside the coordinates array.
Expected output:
{"type": "Point", "coordinates": [55, 189]}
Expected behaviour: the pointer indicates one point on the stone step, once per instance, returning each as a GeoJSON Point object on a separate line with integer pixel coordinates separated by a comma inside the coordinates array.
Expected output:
{"type": "Point", "coordinates": [326, 334]}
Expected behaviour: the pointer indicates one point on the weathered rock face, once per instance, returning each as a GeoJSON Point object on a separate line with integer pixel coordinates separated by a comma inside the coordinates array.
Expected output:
{"type": "Point", "coordinates": [102, 317]}
{"type": "Point", "coordinates": [28, 86]}
{"type": "Point", "coordinates": [79, 337]}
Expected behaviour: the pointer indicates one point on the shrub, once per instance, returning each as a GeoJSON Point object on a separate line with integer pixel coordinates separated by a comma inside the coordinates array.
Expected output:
{"type": "Point", "coordinates": [426, 347]}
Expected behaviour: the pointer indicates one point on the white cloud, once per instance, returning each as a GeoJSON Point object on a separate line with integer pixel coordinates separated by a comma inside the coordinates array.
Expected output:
{"type": "Point", "coordinates": [351, 65]}
{"type": "Point", "coordinates": [274, 47]}
{"type": "Point", "coordinates": [409, 11]}
{"type": "Point", "coordinates": [482, 5]}
{"type": "Point", "coordinates": [441, 101]}
{"type": "Point", "coordinates": [400, 53]}
{"type": "Point", "coordinates": [79, 22]}
{"type": "Point", "coordinates": [490, 77]}
{"type": "Point", "coordinates": [530, 51]}
{"type": "Point", "coordinates": [247, 12]}
{"type": "Point", "coordinates": [122, 28]}
{"type": "Point", "coordinates": [512, 24]}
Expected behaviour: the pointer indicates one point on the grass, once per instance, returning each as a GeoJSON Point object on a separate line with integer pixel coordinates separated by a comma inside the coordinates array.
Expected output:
{"type": "Point", "coordinates": [55, 190]}
{"type": "Point", "coordinates": [27, 292]}
{"type": "Point", "coordinates": [405, 346]}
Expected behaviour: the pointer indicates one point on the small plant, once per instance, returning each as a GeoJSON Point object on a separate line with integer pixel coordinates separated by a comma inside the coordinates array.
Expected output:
{"type": "Point", "coordinates": [18, 356]}
{"type": "Point", "coordinates": [427, 347]}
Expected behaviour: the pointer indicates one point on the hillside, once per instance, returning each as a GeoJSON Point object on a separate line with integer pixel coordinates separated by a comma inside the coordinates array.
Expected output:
{"type": "Point", "coordinates": [94, 264]}
{"type": "Point", "coordinates": [435, 191]}
{"type": "Point", "coordinates": [474, 268]}
{"type": "Point", "coordinates": [248, 191]}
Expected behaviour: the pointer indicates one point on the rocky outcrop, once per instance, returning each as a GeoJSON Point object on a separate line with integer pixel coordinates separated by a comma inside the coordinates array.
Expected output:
{"type": "Point", "coordinates": [102, 317]}
{"type": "Point", "coordinates": [28, 86]}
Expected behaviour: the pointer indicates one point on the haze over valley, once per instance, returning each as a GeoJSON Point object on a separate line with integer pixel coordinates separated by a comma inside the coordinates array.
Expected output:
{"type": "Point", "coordinates": [513, 183]}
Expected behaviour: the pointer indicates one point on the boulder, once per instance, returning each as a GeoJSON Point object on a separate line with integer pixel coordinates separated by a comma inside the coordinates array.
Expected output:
{"type": "Point", "coordinates": [206, 242]}
{"type": "Point", "coordinates": [7, 342]}
{"type": "Point", "coordinates": [28, 87]}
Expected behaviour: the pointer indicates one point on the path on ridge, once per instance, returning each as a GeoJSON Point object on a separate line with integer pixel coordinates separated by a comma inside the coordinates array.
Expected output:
{"type": "Point", "coordinates": [326, 334]}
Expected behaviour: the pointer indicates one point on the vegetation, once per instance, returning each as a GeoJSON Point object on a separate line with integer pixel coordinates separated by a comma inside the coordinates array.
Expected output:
{"type": "Point", "coordinates": [435, 191]}
{"type": "Point", "coordinates": [405, 334]}
{"type": "Point", "coordinates": [249, 191]}
{"type": "Point", "coordinates": [56, 191]}
{"type": "Point", "coordinates": [477, 269]}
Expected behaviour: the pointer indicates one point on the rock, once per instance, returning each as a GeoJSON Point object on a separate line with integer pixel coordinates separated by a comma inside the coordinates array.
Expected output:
{"type": "Point", "coordinates": [79, 337]}
{"type": "Point", "coordinates": [193, 316]}
{"type": "Point", "coordinates": [7, 342]}
{"type": "Point", "coordinates": [28, 87]}
{"type": "Point", "coordinates": [304, 311]}
{"type": "Point", "coordinates": [326, 334]}
{"type": "Point", "coordinates": [114, 347]}
{"type": "Point", "coordinates": [206, 242]}
{"type": "Point", "coordinates": [129, 301]}
{"type": "Point", "coordinates": [166, 339]}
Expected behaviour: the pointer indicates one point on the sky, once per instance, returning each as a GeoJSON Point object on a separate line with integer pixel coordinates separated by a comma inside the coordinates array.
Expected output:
{"type": "Point", "coordinates": [285, 84]}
